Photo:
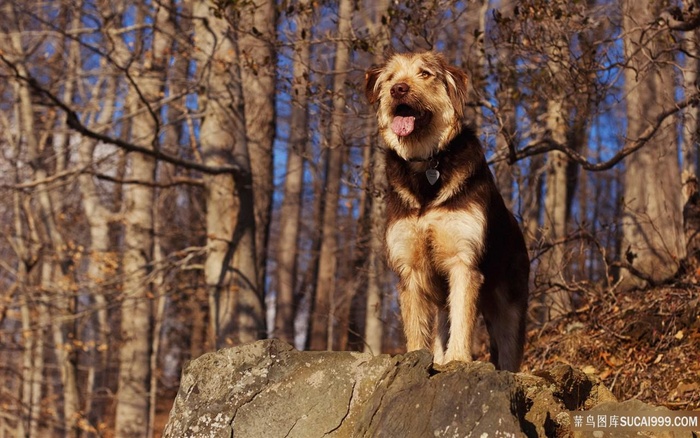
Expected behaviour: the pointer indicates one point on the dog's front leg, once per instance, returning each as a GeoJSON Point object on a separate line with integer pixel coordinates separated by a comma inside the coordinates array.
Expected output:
{"type": "Point", "coordinates": [441, 335]}
{"type": "Point", "coordinates": [465, 284]}
{"type": "Point", "coordinates": [416, 312]}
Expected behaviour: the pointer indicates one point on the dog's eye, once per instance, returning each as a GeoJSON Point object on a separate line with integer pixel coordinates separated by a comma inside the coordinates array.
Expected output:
{"type": "Point", "coordinates": [425, 74]}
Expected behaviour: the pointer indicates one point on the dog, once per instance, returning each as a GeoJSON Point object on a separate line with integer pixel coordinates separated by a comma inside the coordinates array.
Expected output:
{"type": "Point", "coordinates": [450, 238]}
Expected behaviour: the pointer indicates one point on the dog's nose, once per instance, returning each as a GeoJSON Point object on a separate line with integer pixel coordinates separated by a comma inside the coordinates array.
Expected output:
{"type": "Point", "coordinates": [399, 90]}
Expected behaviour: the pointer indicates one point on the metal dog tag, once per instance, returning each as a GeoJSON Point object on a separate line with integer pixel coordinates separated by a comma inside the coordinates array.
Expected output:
{"type": "Point", "coordinates": [433, 175]}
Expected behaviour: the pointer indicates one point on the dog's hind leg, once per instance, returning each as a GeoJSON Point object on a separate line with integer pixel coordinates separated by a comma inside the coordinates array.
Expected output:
{"type": "Point", "coordinates": [506, 327]}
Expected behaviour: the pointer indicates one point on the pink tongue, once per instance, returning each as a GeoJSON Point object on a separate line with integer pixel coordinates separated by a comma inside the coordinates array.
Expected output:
{"type": "Point", "coordinates": [402, 126]}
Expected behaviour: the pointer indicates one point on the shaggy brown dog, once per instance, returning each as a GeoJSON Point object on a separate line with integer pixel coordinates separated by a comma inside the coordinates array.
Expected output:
{"type": "Point", "coordinates": [451, 240]}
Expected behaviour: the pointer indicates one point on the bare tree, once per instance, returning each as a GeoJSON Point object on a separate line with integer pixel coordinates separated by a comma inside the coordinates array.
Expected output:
{"type": "Point", "coordinates": [651, 222]}
{"type": "Point", "coordinates": [691, 152]}
{"type": "Point", "coordinates": [376, 268]}
{"type": "Point", "coordinates": [290, 211]}
{"type": "Point", "coordinates": [474, 59]}
{"type": "Point", "coordinates": [52, 266]}
{"type": "Point", "coordinates": [133, 398]}
{"type": "Point", "coordinates": [101, 253]}
{"type": "Point", "coordinates": [557, 301]}
{"type": "Point", "coordinates": [505, 115]}
{"type": "Point", "coordinates": [25, 245]}
{"type": "Point", "coordinates": [256, 36]}
{"type": "Point", "coordinates": [325, 285]}
{"type": "Point", "coordinates": [691, 115]}
{"type": "Point", "coordinates": [231, 267]}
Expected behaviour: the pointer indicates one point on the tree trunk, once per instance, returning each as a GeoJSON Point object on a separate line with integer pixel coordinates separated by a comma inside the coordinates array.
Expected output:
{"type": "Point", "coordinates": [556, 301]}
{"type": "Point", "coordinates": [134, 355]}
{"type": "Point", "coordinates": [322, 315]}
{"type": "Point", "coordinates": [256, 40]}
{"type": "Point", "coordinates": [230, 268]}
{"type": "Point", "coordinates": [532, 202]}
{"type": "Point", "coordinates": [290, 212]}
{"type": "Point", "coordinates": [505, 97]}
{"type": "Point", "coordinates": [474, 59]}
{"type": "Point", "coordinates": [53, 263]}
{"type": "Point", "coordinates": [376, 267]}
{"type": "Point", "coordinates": [691, 155]}
{"type": "Point", "coordinates": [103, 261]}
{"type": "Point", "coordinates": [134, 394]}
{"type": "Point", "coordinates": [691, 115]}
{"type": "Point", "coordinates": [32, 361]}
{"type": "Point", "coordinates": [651, 217]}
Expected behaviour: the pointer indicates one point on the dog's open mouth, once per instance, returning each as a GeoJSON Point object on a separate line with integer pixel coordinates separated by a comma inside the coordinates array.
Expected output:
{"type": "Point", "coordinates": [406, 120]}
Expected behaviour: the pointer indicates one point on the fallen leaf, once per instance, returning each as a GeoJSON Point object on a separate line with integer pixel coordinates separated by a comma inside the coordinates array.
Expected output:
{"type": "Point", "coordinates": [684, 387]}
{"type": "Point", "coordinates": [605, 374]}
{"type": "Point", "coordinates": [589, 369]}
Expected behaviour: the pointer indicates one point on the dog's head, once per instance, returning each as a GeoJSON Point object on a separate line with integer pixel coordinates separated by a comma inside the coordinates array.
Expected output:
{"type": "Point", "coordinates": [420, 101]}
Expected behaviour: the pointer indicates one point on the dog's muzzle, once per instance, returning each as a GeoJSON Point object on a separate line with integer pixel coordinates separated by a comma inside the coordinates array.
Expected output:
{"type": "Point", "coordinates": [406, 117]}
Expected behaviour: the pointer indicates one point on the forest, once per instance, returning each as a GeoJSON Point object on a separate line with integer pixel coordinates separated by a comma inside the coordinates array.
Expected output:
{"type": "Point", "coordinates": [179, 176]}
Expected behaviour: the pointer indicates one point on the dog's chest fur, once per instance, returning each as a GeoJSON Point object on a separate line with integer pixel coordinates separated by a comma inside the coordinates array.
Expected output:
{"type": "Point", "coordinates": [433, 242]}
{"type": "Point", "coordinates": [432, 227]}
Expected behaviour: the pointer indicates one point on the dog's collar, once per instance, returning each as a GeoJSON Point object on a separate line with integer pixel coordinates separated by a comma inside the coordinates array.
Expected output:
{"type": "Point", "coordinates": [432, 173]}
{"type": "Point", "coordinates": [432, 159]}
{"type": "Point", "coordinates": [421, 160]}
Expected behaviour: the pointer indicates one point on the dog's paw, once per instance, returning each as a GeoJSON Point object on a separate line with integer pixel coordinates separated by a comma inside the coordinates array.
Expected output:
{"type": "Point", "coordinates": [456, 357]}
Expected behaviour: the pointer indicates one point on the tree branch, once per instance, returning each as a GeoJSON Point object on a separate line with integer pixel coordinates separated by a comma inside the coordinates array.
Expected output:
{"type": "Point", "coordinates": [73, 121]}
{"type": "Point", "coordinates": [637, 273]}
{"type": "Point", "coordinates": [675, 19]}
{"type": "Point", "coordinates": [48, 180]}
{"type": "Point", "coordinates": [545, 145]}
{"type": "Point", "coordinates": [176, 181]}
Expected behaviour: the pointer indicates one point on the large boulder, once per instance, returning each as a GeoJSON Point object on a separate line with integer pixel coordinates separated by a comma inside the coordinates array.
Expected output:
{"type": "Point", "coordinates": [267, 389]}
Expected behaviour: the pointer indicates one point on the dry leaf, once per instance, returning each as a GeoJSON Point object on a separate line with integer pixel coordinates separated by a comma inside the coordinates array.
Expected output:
{"type": "Point", "coordinates": [589, 369]}
{"type": "Point", "coordinates": [605, 374]}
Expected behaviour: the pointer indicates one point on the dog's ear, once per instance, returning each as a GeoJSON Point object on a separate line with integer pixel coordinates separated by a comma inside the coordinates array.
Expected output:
{"type": "Point", "coordinates": [457, 88]}
{"type": "Point", "coordinates": [371, 89]}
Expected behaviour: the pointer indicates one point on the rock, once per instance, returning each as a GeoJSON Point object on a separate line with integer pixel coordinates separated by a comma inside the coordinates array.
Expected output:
{"type": "Point", "coordinates": [416, 400]}
{"type": "Point", "coordinates": [268, 389]}
{"type": "Point", "coordinates": [545, 399]}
